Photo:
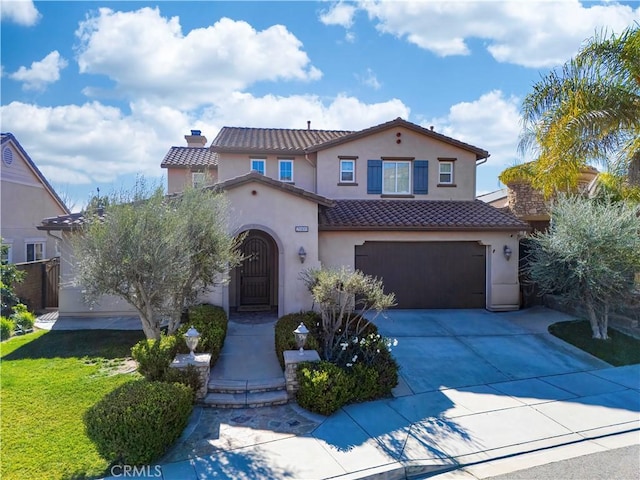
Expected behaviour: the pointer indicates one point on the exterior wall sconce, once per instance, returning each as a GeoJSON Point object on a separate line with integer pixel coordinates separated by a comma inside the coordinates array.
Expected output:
{"type": "Point", "coordinates": [301, 336]}
{"type": "Point", "coordinates": [302, 254]}
{"type": "Point", "coordinates": [507, 252]}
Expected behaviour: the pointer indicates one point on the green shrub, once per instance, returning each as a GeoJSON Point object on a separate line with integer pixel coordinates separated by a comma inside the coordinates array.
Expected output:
{"type": "Point", "coordinates": [23, 318]}
{"type": "Point", "coordinates": [188, 376]}
{"type": "Point", "coordinates": [323, 387]}
{"type": "Point", "coordinates": [138, 421]}
{"type": "Point", "coordinates": [6, 328]}
{"type": "Point", "coordinates": [211, 322]}
{"type": "Point", "coordinates": [155, 356]}
{"type": "Point", "coordinates": [284, 337]}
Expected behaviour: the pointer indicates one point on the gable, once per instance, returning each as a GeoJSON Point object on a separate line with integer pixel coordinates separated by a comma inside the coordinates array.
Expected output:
{"type": "Point", "coordinates": [18, 168]}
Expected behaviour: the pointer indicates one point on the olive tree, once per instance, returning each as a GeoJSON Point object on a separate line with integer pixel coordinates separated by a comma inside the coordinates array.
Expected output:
{"type": "Point", "coordinates": [589, 256]}
{"type": "Point", "coordinates": [348, 301]}
{"type": "Point", "coordinates": [158, 253]}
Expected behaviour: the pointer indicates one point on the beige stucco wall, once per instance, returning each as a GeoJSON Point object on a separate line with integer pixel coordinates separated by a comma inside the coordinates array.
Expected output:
{"type": "Point", "coordinates": [25, 202]}
{"type": "Point", "coordinates": [503, 290]}
{"type": "Point", "coordinates": [179, 178]}
{"type": "Point", "coordinates": [384, 144]}
{"type": "Point", "coordinates": [71, 301]}
{"type": "Point", "coordinates": [235, 165]}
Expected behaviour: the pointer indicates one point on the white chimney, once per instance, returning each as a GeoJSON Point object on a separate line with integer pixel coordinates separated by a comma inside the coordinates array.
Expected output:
{"type": "Point", "coordinates": [196, 139]}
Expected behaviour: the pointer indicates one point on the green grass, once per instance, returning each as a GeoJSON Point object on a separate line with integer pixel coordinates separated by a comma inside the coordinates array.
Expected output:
{"type": "Point", "coordinates": [620, 349]}
{"type": "Point", "coordinates": [47, 381]}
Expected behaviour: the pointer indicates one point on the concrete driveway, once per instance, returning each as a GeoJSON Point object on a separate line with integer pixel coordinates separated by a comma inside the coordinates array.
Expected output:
{"type": "Point", "coordinates": [440, 349]}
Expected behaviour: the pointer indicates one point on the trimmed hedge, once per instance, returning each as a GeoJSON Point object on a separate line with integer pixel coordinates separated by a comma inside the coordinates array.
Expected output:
{"type": "Point", "coordinates": [155, 356]}
{"type": "Point", "coordinates": [323, 387]}
{"type": "Point", "coordinates": [284, 338]}
{"type": "Point", "coordinates": [7, 328]}
{"type": "Point", "coordinates": [138, 421]}
{"type": "Point", "coordinates": [211, 322]}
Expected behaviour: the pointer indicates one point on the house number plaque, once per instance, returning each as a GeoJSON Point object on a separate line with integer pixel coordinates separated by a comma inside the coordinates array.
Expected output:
{"type": "Point", "coordinates": [302, 228]}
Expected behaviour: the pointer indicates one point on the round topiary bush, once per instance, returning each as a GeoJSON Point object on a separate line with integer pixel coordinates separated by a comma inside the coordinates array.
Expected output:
{"type": "Point", "coordinates": [138, 421]}
{"type": "Point", "coordinates": [323, 387]}
{"type": "Point", "coordinates": [155, 356]}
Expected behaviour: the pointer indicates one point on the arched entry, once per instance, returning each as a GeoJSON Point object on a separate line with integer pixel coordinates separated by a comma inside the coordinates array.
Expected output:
{"type": "Point", "coordinates": [257, 276]}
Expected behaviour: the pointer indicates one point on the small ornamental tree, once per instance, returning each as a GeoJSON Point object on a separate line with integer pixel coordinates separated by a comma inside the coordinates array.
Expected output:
{"type": "Point", "coordinates": [589, 256]}
{"type": "Point", "coordinates": [9, 277]}
{"type": "Point", "coordinates": [156, 252]}
{"type": "Point", "coordinates": [348, 301]}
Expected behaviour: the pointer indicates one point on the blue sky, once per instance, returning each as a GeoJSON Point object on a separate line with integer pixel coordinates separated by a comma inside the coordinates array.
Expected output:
{"type": "Point", "coordinates": [97, 92]}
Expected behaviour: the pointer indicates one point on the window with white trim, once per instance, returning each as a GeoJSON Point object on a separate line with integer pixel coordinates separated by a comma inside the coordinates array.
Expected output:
{"type": "Point", "coordinates": [258, 165]}
{"type": "Point", "coordinates": [285, 170]}
{"type": "Point", "coordinates": [445, 172]}
{"type": "Point", "coordinates": [7, 256]}
{"type": "Point", "coordinates": [396, 177]}
{"type": "Point", "coordinates": [35, 250]}
{"type": "Point", "coordinates": [198, 179]}
{"type": "Point", "coordinates": [347, 171]}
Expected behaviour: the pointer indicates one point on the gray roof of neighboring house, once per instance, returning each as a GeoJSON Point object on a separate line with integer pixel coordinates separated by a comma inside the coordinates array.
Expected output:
{"type": "Point", "coordinates": [493, 196]}
{"type": "Point", "coordinates": [189, 157]}
{"type": "Point", "coordinates": [417, 215]}
{"type": "Point", "coordinates": [5, 138]}
{"type": "Point", "coordinates": [63, 222]}
{"type": "Point", "coordinates": [264, 140]}
{"type": "Point", "coordinates": [291, 141]}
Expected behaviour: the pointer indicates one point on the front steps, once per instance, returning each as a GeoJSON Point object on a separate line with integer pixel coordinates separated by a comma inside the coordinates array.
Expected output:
{"type": "Point", "coordinates": [246, 393]}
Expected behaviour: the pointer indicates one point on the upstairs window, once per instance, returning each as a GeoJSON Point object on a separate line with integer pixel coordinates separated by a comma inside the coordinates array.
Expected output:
{"type": "Point", "coordinates": [285, 170]}
{"type": "Point", "coordinates": [396, 178]}
{"type": "Point", "coordinates": [258, 165]}
{"type": "Point", "coordinates": [7, 256]}
{"type": "Point", "coordinates": [35, 251]}
{"type": "Point", "coordinates": [347, 171]}
{"type": "Point", "coordinates": [198, 179]}
{"type": "Point", "coordinates": [445, 172]}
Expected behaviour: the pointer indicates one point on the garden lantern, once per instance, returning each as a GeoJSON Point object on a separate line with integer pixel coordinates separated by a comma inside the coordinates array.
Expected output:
{"type": "Point", "coordinates": [301, 336]}
{"type": "Point", "coordinates": [192, 337]}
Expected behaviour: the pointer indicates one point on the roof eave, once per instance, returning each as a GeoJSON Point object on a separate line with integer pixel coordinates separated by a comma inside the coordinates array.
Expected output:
{"type": "Point", "coordinates": [419, 228]}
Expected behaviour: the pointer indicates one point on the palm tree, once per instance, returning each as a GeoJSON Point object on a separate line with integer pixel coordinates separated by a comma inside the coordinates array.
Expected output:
{"type": "Point", "coordinates": [586, 112]}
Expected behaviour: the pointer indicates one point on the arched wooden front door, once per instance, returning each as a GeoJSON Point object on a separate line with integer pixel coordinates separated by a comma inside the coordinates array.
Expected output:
{"type": "Point", "coordinates": [256, 274]}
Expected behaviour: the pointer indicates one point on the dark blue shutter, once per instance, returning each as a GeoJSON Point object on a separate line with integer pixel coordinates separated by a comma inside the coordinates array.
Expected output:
{"type": "Point", "coordinates": [374, 176]}
{"type": "Point", "coordinates": [420, 176]}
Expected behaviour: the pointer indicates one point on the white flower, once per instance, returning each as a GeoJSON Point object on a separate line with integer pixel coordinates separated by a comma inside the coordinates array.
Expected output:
{"type": "Point", "coordinates": [344, 346]}
{"type": "Point", "coordinates": [355, 357]}
{"type": "Point", "coordinates": [349, 364]}
{"type": "Point", "coordinates": [378, 350]}
{"type": "Point", "coordinates": [355, 339]}
{"type": "Point", "coordinates": [395, 342]}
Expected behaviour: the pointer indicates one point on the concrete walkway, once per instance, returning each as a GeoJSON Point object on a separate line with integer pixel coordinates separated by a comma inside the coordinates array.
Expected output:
{"type": "Point", "coordinates": [481, 394]}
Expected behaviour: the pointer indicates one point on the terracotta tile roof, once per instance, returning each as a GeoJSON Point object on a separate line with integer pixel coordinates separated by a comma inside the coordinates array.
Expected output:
{"type": "Point", "coordinates": [281, 140]}
{"type": "Point", "coordinates": [287, 187]}
{"type": "Point", "coordinates": [190, 157]}
{"type": "Point", "coordinates": [416, 215]}
{"type": "Point", "coordinates": [63, 222]}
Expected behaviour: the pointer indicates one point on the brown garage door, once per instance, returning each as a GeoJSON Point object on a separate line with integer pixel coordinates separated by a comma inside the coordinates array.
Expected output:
{"type": "Point", "coordinates": [428, 274]}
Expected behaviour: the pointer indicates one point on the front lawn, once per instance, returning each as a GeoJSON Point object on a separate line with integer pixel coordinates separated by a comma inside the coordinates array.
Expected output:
{"type": "Point", "coordinates": [620, 349]}
{"type": "Point", "coordinates": [48, 380]}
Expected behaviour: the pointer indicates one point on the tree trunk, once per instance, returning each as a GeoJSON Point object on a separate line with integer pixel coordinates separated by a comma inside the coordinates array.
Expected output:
{"type": "Point", "coordinates": [593, 319]}
{"type": "Point", "coordinates": [149, 325]}
{"type": "Point", "coordinates": [633, 174]}
{"type": "Point", "coordinates": [603, 322]}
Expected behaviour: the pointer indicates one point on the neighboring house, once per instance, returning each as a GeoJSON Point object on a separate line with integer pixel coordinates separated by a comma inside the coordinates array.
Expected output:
{"type": "Point", "coordinates": [27, 197]}
{"type": "Point", "coordinates": [396, 201]}
{"type": "Point", "coordinates": [194, 165]}
{"type": "Point", "coordinates": [497, 198]}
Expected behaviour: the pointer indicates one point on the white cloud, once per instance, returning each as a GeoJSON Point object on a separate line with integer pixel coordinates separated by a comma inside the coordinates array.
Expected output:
{"type": "Point", "coordinates": [94, 143]}
{"type": "Point", "coordinates": [148, 56]}
{"type": "Point", "coordinates": [369, 79]}
{"type": "Point", "coordinates": [22, 12]}
{"type": "Point", "coordinates": [41, 73]}
{"type": "Point", "coordinates": [340, 13]}
{"type": "Point", "coordinates": [527, 33]}
{"type": "Point", "coordinates": [491, 122]}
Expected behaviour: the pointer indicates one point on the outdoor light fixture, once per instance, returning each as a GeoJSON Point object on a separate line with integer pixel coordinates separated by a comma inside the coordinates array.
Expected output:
{"type": "Point", "coordinates": [301, 336]}
{"type": "Point", "coordinates": [302, 254]}
{"type": "Point", "coordinates": [507, 252]}
{"type": "Point", "coordinates": [192, 337]}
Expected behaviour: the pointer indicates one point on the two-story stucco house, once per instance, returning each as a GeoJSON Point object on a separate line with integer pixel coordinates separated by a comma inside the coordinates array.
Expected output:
{"type": "Point", "coordinates": [396, 201]}
{"type": "Point", "coordinates": [27, 197]}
